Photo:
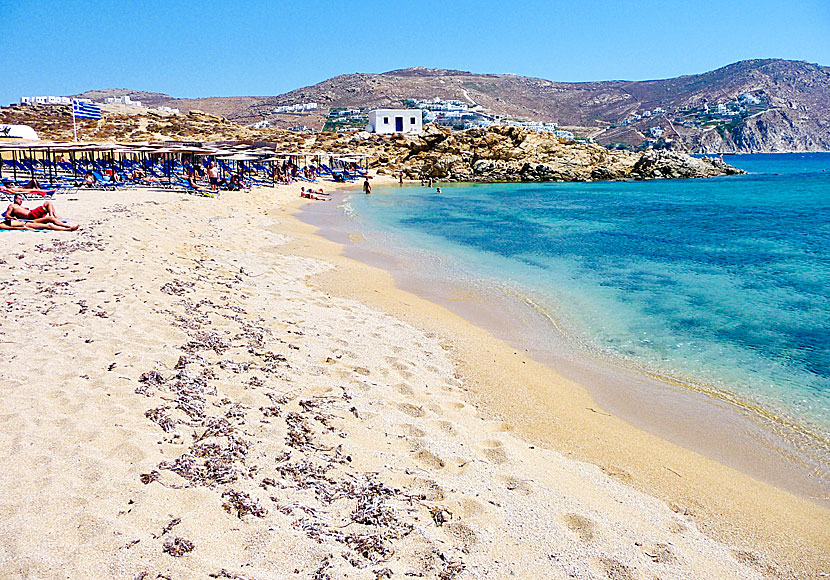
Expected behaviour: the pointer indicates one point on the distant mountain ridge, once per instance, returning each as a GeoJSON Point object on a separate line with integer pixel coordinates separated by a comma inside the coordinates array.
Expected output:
{"type": "Point", "coordinates": [794, 114]}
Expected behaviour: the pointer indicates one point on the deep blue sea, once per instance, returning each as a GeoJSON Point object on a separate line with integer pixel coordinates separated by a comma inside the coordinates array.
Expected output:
{"type": "Point", "coordinates": [722, 282]}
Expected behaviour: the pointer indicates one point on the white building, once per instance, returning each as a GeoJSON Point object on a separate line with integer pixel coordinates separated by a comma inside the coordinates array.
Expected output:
{"type": "Point", "coordinates": [169, 110]}
{"type": "Point", "coordinates": [47, 100]}
{"type": "Point", "coordinates": [125, 100]}
{"type": "Point", "coordinates": [296, 108]}
{"type": "Point", "coordinates": [656, 132]}
{"type": "Point", "coordinates": [388, 121]}
{"type": "Point", "coordinates": [18, 132]}
{"type": "Point", "coordinates": [260, 125]}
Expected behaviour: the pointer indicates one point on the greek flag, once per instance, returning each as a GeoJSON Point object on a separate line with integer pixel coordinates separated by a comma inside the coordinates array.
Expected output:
{"type": "Point", "coordinates": [83, 110]}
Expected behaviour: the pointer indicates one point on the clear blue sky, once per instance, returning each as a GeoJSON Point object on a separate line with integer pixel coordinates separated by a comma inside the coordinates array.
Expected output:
{"type": "Point", "coordinates": [208, 48]}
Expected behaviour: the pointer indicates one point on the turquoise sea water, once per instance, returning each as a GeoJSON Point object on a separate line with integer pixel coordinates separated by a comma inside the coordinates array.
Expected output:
{"type": "Point", "coordinates": [723, 281]}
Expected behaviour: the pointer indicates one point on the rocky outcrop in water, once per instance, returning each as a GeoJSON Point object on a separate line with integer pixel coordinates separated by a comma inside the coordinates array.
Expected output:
{"type": "Point", "coordinates": [514, 154]}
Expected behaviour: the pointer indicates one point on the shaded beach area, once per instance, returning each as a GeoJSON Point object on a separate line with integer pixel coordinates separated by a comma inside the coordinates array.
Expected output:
{"type": "Point", "coordinates": [202, 387]}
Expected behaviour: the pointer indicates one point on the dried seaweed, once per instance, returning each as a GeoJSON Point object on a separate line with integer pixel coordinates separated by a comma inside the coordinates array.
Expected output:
{"type": "Point", "coordinates": [215, 426]}
{"type": "Point", "coordinates": [320, 573]}
{"type": "Point", "coordinates": [159, 415]}
{"type": "Point", "coordinates": [178, 547]}
{"type": "Point", "coordinates": [237, 411]}
{"type": "Point", "coordinates": [225, 574]}
{"type": "Point", "coordinates": [166, 529]}
{"type": "Point", "coordinates": [206, 341]}
{"type": "Point", "coordinates": [300, 435]}
{"type": "Point", "coordinates": [370, 547]}
{"type": "Point", "coordinates": [148, 382]}
{"type": "Point", "coordinates": [177, 287]}
{"type": "Point", "coordinates": [448, 568]}
{"type": "Point", "coordinates": [147, 478]}
{"type": "Point", "coordinates": [236, 367]}
{"type": "Point", "coordinates": [241, 504]}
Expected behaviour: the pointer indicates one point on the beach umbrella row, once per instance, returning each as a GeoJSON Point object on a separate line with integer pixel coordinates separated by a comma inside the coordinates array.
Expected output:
{"type": "Point", "coordinates": [168, 151]}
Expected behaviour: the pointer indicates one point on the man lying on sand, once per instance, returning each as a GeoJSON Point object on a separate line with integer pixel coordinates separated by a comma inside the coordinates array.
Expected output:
{"type": "Point", "coordinates": [38, 218]}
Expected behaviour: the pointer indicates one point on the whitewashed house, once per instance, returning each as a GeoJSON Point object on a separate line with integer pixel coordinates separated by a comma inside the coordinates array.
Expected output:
{"type": "Point", "coordinates": [388, 121]}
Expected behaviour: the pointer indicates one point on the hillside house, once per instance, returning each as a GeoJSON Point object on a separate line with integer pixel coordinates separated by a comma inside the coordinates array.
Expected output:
{"type": "Point", "coordinates": [389, 121]}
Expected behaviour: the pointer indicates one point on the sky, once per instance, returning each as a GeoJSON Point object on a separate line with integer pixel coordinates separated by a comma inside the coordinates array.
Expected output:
{"type": "Point", "coordinates": [208, 48]}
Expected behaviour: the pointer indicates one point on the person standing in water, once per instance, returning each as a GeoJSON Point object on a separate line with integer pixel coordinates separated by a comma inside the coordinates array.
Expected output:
{"type": "Point", "coordinates": [367, 187]}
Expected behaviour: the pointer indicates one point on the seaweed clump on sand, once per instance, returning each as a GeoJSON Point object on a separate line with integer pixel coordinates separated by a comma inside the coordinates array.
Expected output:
{"type": "Point", "coordinates": [312, 484]}
{"type": "Point", "coordinates": [178, 547]}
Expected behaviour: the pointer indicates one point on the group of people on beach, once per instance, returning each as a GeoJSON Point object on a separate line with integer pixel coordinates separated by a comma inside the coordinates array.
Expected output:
{"type": "Point", "coordinates": [43, 217]}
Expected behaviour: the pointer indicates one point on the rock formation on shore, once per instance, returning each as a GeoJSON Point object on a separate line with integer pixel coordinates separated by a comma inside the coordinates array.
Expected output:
{"type": "Point", "coordinates": [515, 154]}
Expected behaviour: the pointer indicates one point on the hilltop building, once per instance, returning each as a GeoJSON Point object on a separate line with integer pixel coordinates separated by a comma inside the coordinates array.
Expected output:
{"type": "Point", "coordinates": [50, 100]}
{"type": "Point", "coordinates": [298, 108]}
{"type": "Point", "coordinates": [389, 121]}
{"type": "Point", "coordinates": [125, 100]}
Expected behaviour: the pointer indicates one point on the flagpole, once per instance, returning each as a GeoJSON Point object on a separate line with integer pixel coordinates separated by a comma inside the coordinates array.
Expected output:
{"type": "Point", "coordinates": [74, 128]}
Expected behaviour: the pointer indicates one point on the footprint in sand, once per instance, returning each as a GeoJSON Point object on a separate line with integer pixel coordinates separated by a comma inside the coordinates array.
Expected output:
{"type": "Point", "coordinates": [470, 508]}
{"type": "Point", "coordinates": [617, 473]}
{"type": "Point", "coordinates": [411, 430]}
{"type": "Point", "coordinates": [580, 525]}
{"type": "Point", "coordinates": [657, 551]}
{"type": "Point", "coordinates": [515, 484]}
{"type": "Point", "coordinates": [429, 459]}
{"type": "Point", "coordinates": [613, 569]}
{"type": "Point", "coordinates": [462, 534]}
{"type": "Point", "coordinates": [446, 427]}
{"type": "Point", "coordinates": [411, 410]}
{"type": "Point", "coordinates": [494, 453]}
{"type": "Point", "coordinates": [404, 389]}
{"type": "Point", "coordinates": [429, 489]}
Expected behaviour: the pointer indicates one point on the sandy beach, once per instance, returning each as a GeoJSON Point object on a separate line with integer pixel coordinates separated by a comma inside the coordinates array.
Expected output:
{"type": "Point", "coordinates": [206, 388]}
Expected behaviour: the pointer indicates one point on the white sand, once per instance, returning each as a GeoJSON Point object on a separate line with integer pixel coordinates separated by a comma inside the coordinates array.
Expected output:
{"type": "Point", "coordinates": [348, 427]}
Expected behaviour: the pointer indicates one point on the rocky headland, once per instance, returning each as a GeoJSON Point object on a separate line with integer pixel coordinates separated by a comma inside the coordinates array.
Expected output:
{"type": "Point", "coordinates": [516, 155]}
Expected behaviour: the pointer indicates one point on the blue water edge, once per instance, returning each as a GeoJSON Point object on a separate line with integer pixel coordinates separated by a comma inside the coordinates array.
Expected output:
{"type": "Point", "coordinates": [723, 281]}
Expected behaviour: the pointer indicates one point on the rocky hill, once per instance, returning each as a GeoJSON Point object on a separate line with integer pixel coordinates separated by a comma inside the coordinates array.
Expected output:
{"type": "Point", "coordinates": [788, 107]}
{"type": "Point", "coordinates": [500, 153]}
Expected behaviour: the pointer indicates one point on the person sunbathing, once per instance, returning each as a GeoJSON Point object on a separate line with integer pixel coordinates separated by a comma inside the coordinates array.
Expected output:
{"type": "Point", "coordinates": [13, 224]}
{"type": "Point", "coordinates": [311, 194]}
{"type": "Point", "coordinates": [192, 183]}
{"type": "Point", "coordinates": [41, 215]}
{"type": "Point", "coordinates": [89, 179]}
{"type": "Point", "coordinates": [26, 190]}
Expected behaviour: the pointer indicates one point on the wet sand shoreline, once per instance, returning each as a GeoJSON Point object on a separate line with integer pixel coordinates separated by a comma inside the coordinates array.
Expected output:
{"type": "Point", "coordinates": [568, 416]}
{"type": "Point", "coordinates": [735, 435]}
